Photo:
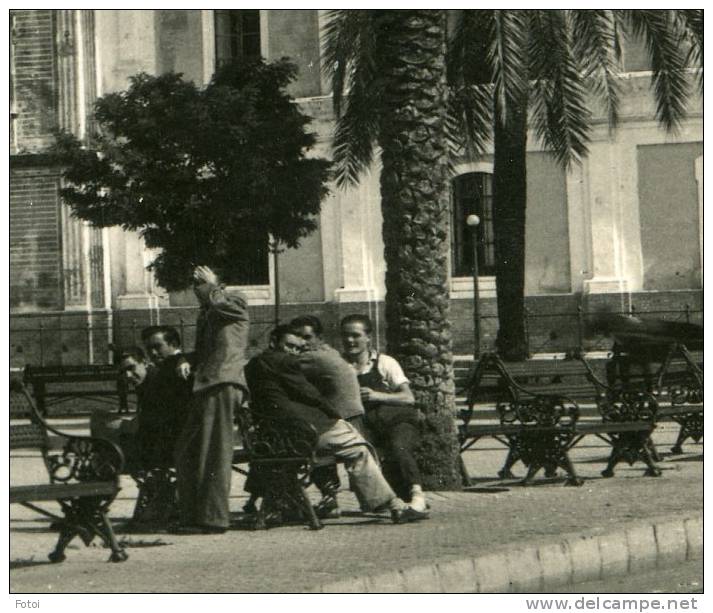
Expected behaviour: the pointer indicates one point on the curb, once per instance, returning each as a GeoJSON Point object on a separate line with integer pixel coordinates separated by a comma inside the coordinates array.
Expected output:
{"type": "Point", "coordinates": [574, 559]}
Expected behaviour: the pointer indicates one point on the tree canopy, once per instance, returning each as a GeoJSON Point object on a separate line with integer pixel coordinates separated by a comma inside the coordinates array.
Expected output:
{"type": "Point", "coordinates": [204, 174]}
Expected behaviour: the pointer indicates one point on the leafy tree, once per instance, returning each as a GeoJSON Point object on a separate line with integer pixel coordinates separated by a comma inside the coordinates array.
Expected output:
{"type": "Point", "coordinates": [202, 174]}
{"type": "Point", "coordinates": [393, 62]}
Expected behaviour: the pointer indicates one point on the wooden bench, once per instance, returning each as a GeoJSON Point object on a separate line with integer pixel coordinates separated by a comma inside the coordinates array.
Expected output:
{"type": "Point", "coordinates": [83, 479]}
{"type": "Point", "coordinates": [52, 385]}
{"type": "Point", "coordinates": [674, 377]}
{"type": "Point", "coordinates": [540, 418]}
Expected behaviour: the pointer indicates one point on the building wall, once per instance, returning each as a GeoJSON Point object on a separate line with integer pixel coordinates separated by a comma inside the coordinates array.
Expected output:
{"type": "Point", "coordinates": [668, 209]}
{"type": "Point", "coordinates": [546, 246]}
{"type": "Point", "coordinates": [603, 228]}
{"type": "Point", "coordinates": [295, 34]}
{"type": "Point", "coordinates": [179, 44]}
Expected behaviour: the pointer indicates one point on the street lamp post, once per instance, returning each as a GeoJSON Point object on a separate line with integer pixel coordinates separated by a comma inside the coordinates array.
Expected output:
{"type": "Point", "coordinates": [473, 221]}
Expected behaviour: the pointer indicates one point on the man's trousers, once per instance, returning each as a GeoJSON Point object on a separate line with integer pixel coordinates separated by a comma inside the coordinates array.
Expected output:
{"type": "Point", "coordinates": [204, 457]}
{"type": "Point", "coordinates": [344, 442]}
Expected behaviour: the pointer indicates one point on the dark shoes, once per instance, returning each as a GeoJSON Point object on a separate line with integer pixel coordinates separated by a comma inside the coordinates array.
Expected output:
{"type": "Point", "coordinates": [184, 529]}
{"type": "Point", "coordinates": [407, 515]}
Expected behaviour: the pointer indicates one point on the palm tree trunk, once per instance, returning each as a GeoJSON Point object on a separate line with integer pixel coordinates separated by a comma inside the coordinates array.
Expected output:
{"type": "Point", "coordinates": [414, 194]}
{"type": "Point", "coordinates": [509, 206]}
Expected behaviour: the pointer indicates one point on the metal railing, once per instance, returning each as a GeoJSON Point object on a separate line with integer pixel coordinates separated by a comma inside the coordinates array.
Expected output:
{"type": "Point", "coordinates": [94, 343]}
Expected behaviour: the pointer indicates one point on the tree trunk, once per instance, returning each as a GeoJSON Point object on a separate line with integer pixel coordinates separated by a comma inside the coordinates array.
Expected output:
{"type": "Point", "coordinates": [509, 205]}
{"type": "Point", "coordinates": [414, 195]}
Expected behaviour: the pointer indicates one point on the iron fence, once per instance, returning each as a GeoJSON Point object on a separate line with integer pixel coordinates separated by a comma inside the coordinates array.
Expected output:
{"type": "Point", "coordinates": [94, 341]}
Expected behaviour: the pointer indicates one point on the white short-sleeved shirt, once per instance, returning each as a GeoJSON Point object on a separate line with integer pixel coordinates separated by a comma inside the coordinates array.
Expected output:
{"type": "Point", "coordinates": [389, 369]}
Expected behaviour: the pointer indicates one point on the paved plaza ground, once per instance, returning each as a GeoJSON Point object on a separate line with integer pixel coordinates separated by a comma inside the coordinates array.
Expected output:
{"type": "Point", "coordinates": [485, 518]}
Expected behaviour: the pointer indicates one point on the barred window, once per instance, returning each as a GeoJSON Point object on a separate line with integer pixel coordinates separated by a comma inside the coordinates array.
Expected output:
{"type": "Point", "coordinates": [472, 193]}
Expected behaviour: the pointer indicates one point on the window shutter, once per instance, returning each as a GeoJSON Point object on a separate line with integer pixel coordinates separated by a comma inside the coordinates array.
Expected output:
{"type": "Point", "coordinates": [35, 260]}
{"type": "Point", "coordinates": [33, 79]}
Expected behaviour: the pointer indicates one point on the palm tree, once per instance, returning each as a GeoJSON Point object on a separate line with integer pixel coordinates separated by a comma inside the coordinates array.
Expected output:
{"type": "Point", "coordinates": [501, 64]}
{"type": "Point", "coordinates": [394, 64]}
{"type": "Point", "coordinates": [552, 63]}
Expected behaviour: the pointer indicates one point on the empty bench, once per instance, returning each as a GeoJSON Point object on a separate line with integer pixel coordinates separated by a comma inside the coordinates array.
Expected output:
{"type": "Point", "coordinates": [674, 378]}
{"type": "Point", "coordinates": [540, 418]}
{"type": "Point", "coordinates": [52, 385]}
{"type": "Point", "coordinates": [83, 478]}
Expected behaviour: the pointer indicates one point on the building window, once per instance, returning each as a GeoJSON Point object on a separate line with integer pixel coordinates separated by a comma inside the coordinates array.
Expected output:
{"type": "Point", "coordinates": [472, 193]}
{"type": "Point", "coordinates": [237, 35]}
{"type": "Point", "coordinates": [35, 248]}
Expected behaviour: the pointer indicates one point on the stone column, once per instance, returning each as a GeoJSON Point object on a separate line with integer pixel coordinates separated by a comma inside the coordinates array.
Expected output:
{"type": "Point", "coordinates": [72, 102]}
{"type": "Point", "coordinates": [360, 244]}
{"type": "Point", "coordinates": [126, 43]}
{"type": "Point", "coordinates": [604, 211]}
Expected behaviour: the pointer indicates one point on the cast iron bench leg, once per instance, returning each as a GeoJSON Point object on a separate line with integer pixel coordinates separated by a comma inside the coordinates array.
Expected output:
{"type": "Point", "coordinates": [531, 472]}
{"type": "Point", "coordinates": [312, 518]}
{"type": "Point", "coordinates": [614, 457]}
{"type": "Point", "coordinates": [573, 478]}
{"type": "Point", "coordinates": [513, 456]}
{"type": "Point", "coordinates": [652, 470]}
{"type": "Point", "coordinates": [66, 534]}
{"type": "Point", "coordinates": [464, 476]}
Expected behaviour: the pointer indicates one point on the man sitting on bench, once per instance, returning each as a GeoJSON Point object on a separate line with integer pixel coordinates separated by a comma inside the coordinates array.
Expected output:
{"type": "Point", "coordinates": [278, 387]}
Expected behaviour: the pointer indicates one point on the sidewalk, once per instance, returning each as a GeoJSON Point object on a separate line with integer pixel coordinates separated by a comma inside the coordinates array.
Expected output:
{"type": "Point", "coordinates": [490, 537]}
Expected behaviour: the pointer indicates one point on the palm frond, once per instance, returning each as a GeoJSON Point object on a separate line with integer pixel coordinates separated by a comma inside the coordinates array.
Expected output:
{"type": "Point", "coordinates": [596, 45]}
{"type": "Point", "coordinates": [351, 62]}
{"type": "Point", "coordinates": [559, 102]}
{"type": "Point", "coordinates": [469, 119]}
{"type": "Point", "coordinates": [508, 59]}
{"type": "Point", "coordinates": [692, 24]}
{"type": "Point", "coordinates": [467, 59]}
{"type": "Point", "coordinates": [355, 134]}
{"type": "Point", "coordinates": [348, 41]}
{"type": "Point", "coordinates": [664, 44]}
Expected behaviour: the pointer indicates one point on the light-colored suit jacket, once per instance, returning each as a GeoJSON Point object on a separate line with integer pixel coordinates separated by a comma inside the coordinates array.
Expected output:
{"type": "Point", "coordinates": [221, 338]}
{"type": "Point", "coordinates": [334, 378]}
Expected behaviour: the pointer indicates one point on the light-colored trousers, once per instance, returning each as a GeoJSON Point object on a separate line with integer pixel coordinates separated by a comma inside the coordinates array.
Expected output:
{"type": "Point", "coordinates": [204, 456]}
{"type": "Point", "coordinates": [344, 442]}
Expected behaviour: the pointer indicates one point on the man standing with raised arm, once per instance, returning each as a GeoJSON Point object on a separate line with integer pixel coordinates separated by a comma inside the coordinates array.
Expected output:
{"type": "Point", "coordinates": [205, 450]}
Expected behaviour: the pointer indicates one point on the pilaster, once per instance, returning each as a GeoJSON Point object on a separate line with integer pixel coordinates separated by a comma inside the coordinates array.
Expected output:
{"type": "Point", "coordinates": [360, 248]}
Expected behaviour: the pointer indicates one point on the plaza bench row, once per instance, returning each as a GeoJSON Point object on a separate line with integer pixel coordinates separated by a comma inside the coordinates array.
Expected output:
{"type": "Point", "coordinates": [537, 405]}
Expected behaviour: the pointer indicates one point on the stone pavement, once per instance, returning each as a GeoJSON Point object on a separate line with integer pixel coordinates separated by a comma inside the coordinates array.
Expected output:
{"type": "Point", "coordinates": [512, 530]}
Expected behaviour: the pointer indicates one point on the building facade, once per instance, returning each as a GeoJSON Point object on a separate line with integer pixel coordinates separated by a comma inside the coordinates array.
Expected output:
{"type": "Point", "coordinates": [624, 228]}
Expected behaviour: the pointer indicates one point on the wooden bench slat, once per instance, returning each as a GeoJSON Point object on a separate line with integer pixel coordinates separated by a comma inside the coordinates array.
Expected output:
{"type": "Point", "coordinates": [57, 491]}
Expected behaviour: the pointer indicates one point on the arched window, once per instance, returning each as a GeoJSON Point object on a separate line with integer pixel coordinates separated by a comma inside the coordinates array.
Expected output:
{"type": "Point", "coordinates": [472, 193]}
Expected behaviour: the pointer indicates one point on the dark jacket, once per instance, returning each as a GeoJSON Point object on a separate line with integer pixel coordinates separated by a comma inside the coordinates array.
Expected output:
{"type": "Point", "coordinates": [221, 338]}
{"type": "Point", "coordinates": [164, 401]}
{"type": "Point", "coordinates": [279, 388]}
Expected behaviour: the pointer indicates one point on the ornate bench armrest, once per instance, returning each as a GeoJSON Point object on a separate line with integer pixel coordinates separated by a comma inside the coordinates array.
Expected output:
{"type": "Point", "coordinates": [627, 405]}
{"type": "Point", "coordinates": [540, 410]}
{"type": "Point", "coordinates": [283, 437]}
{"type": "Point", "coordinates": [85, 458]}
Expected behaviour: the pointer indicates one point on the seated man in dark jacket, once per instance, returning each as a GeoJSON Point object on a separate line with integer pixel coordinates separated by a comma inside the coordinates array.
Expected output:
{"type": "Point", "coordinates": [165, 399]}
{"type": "Point", "coordinates": [278, 387]}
